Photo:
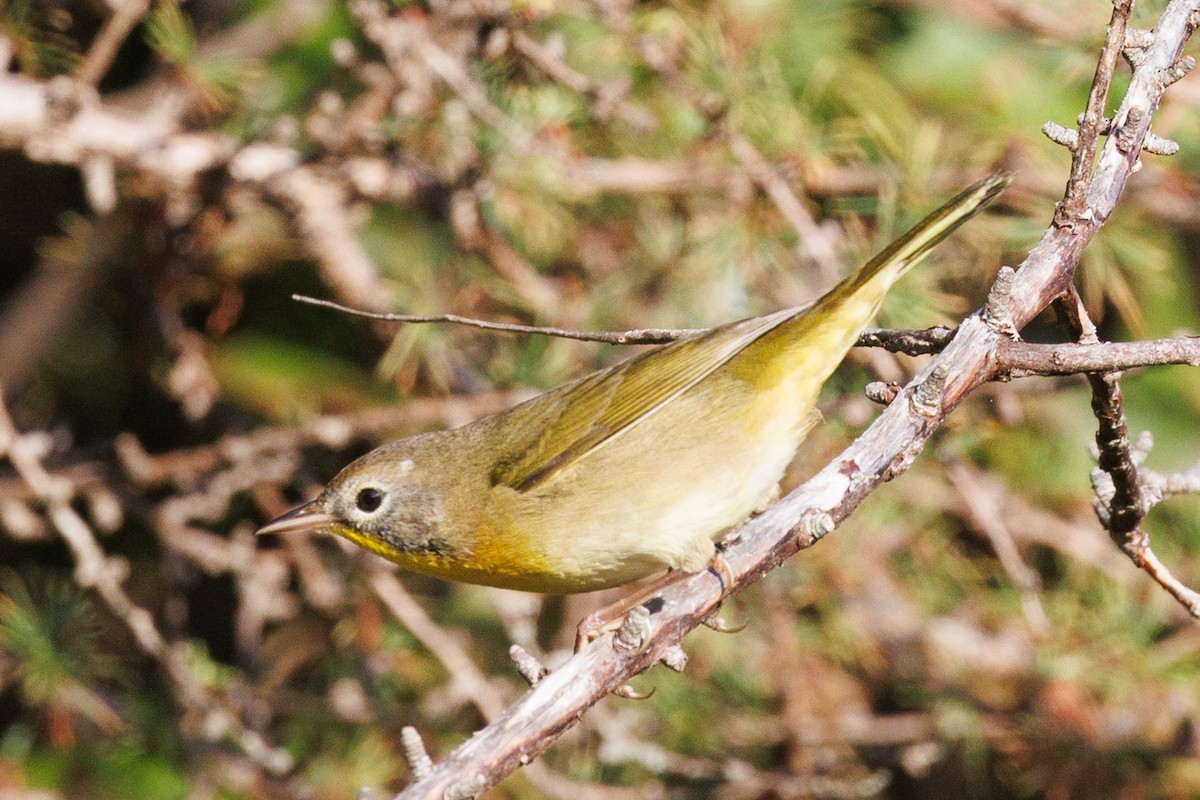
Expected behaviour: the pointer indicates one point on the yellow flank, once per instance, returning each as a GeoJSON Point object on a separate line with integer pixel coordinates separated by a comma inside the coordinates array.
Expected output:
{"type": "Point", "coordinates": [629, 470]}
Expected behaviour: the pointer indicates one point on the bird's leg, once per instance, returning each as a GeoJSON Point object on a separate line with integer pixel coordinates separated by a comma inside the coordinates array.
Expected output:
{"type": "Point", "coordinates": [720, 568]}
{"type": "Point", "coordinates": [609, 618]}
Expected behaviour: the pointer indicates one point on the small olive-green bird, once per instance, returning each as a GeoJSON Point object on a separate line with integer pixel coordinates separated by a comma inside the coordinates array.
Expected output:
{"type": "Point", "coordinates": [628, 471]}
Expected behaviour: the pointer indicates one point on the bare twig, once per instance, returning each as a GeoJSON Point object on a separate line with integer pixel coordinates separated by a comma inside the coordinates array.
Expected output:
{"type": "Point", "coordinates": [1092, 124]}
{"type": "Point", "coordinates": [1145, 558]}
{"type": "Point", "coordinates": [1122, 500]}
{"type": "Point", "coordinates": [1014, 358]}
{"type": "Point", "coordinates": [913, 343]}
{"type": "Point", "coordinates": [636, 336]}
{"type": "Point", "coordinates": [1123, 494]}
{"type": "Point", "coordinates": [320, 206]}
{"type": "Point", "coordinates": [815, 243]}
{"type": "Point", "coordinates": [1017, 358]}
{"type": "Point", "coordinates": [984, 509]}
{"type": "Point", "coordinates": [114, 33]}
{"type": "Point", "coordinates": [474, 234]}
{"type": "Point", "coordinates": [922, 342]}
{"type": "Point", "coordinates": [469, 681]}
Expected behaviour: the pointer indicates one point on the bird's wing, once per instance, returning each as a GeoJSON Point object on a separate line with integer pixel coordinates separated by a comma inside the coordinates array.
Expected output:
{"type": "Point", "coordinates": [573, 421]}
{"type": "Point", "coordinates": [582, 416]}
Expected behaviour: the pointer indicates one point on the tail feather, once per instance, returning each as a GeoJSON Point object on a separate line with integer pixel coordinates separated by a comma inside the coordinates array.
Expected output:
{"type": "Point", "coordinates": [816, 338]}
{"type": "Point", "coordinates": [904, 253]}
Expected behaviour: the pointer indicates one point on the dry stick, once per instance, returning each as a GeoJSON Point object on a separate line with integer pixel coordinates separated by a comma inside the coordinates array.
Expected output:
{"type": "Point", "coordinates": [983, 504]}
{"type": "Point", "coordinates": [638, 336]}
{"type": "Point", "coordinates": [95, 570]}
{"type": "Point", "coordinates": [321, 212]}
{"type": "Point", "coordinates": [115, 31]}
{"type": "Point", "coordinates": [1122, 505]}
{"type": "Point", "coordinates": [1014, 358]}
{"type": "Point", "coordinates": [1022, 358]}
{"type": "Point", "coordinates": [1120, 501]}
{"type": "Point", "coordinates": [470, 683]}
{"type": "Point", "coordinates": [1092, 122]}
{"type": "Point", "coordinates": [801, 518]}
{"type": "Point", "coordinates": [816, 242]}
{"type": "Point", "coordinates": [1069, 535]}
{"type": "Point", "coordinates": [1121, 498]}
{"type": "Point", "coordinates": [931, 340]}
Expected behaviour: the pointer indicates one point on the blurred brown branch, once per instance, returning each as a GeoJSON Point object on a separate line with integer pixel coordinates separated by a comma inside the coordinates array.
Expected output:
{"type": "Point", "coordinates": [126, 14]}
{"type": "Point", "coordinates": [217, 718]}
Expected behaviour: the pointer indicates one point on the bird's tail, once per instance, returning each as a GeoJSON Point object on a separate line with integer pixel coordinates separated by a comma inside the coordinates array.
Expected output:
{"type": "Point", "coordinates": [808, 344]}
{"type": "Point", "coordinates": [901, 255]}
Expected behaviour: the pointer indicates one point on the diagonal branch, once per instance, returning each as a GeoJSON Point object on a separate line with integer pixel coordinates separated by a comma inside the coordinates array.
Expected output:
{"type": "Point", "coordinates": [116, 30]}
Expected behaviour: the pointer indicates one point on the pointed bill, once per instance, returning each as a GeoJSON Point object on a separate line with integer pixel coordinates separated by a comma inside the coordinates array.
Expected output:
{"type": "Point", "coordinates": [303, 518]}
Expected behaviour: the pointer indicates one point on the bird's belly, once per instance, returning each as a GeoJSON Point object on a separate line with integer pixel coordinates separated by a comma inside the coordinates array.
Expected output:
{"type": "Point", "coordinates": [631, 508]}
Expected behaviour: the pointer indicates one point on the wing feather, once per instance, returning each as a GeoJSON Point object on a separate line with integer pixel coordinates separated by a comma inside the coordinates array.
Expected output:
{"type": "Point", "coordinates": [608, 402]}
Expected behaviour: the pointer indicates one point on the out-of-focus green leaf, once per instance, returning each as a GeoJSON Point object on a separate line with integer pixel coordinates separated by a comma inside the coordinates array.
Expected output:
{"type": "Point", "coordinates": [284, 380]}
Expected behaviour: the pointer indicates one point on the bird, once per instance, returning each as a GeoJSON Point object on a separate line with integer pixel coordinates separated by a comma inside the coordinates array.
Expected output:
{"type": "Point", "coordinates": [633, 469]}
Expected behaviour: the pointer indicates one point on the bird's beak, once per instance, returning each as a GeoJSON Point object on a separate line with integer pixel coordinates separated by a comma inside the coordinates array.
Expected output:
{"type": "Point", "coordinates": [303, 518]}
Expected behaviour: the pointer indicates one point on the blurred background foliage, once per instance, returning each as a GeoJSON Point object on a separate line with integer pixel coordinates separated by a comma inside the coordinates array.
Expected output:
{"type": "Point", "coordinates": [968, 633]}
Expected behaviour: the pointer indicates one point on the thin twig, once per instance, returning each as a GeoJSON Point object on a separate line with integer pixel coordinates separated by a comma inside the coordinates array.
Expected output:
{"type": "Point", "coordinates": [1124, 494]}
{"type": "Point", "coordinates": [1014, 358]}
{"type": "Point", "coordinates": [636, 336]}
{"type": "Point", "coordinates": [1019, 359]}
{"type": "Point", "coordinates": [912, 342]}
{"type": "Point", "coordinates": [472, 684]}
{"type": "Point", "coordinates": [983, 505]}
{"type": "Point", "coordinates": [1092, 123]}
{"type": "Point", "coordinates": [1145, 558]}
{"type": "Point", "coordinates": [816, 244]}
{"type": "Point", "coordinates": [469, 681]}
{"type": "Point", "coordinates": [114, 33]}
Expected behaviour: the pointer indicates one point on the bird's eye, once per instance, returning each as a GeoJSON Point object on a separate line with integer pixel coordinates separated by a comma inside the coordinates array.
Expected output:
{"type": "Point", "coordinates": [368, 499]}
